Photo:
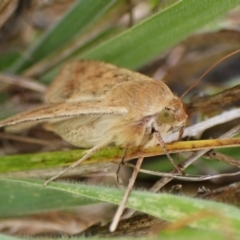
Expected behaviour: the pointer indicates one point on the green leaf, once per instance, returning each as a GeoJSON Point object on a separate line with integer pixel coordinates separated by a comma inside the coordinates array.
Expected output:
{"type": "Point", "coordinates": [21, 198]}
{"type": "Point", "coordinates": [34, 197]}
{"type": "Point", "coordinates": [26, 162]}
{"type": "Point", "coordinates": [189, 233]}
{"type": "Point", "coordinates": [143, 42]}
{"type": "Point", "coordinates": [5, 237]}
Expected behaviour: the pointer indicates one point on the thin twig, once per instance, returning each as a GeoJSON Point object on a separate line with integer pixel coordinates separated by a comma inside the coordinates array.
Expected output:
{"type": "Point", "coordinates": [223, 158]}
{"type": "Point", "coordinates": [121, 207]}
{"type": "Point", "coordinates": [214, 102]}
{"type": "Point", "coordinates": [22, 82]}
{"type": "Point", "coordinates": [186, 177]}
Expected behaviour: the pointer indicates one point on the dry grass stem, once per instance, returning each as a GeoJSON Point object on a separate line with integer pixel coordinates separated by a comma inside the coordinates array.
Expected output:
{"type": "Point", "coordinates": [121, 207]}
{"type": "Point", "coordinates": [22, 82]}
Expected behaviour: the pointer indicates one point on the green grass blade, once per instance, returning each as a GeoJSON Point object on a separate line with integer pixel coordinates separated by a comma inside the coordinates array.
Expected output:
{"type": "Point", "coordinates": [32, 161]}
{"type": "Point", "coordinates": [5, 237]}
{"type": "Point", "coordinates": [139, 44]}
{"type": "Point", "coordinates": [164, 206]}
{"type": "Point", "coordinates": [81, 16]}
{"type": "Point", "coordinates": [25, 197]}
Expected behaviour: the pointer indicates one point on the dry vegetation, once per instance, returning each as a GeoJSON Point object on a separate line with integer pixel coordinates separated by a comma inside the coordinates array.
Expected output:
{"type": "Point", "coordinates": [217, 95]}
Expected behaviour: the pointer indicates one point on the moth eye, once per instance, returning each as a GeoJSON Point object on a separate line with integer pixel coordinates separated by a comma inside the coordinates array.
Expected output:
{"type": "Point", "coordinates": [166, 116]}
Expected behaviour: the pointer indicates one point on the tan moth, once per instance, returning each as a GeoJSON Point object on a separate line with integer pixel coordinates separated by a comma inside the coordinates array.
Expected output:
{"type": "Point", "coordinates": [92, 104]}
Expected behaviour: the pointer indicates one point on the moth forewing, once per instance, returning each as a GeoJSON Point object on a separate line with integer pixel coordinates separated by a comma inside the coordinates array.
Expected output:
{"type": "Point", "coordinates": [88, 81]}
{"type": "Point", "coordinates": [63, 111]}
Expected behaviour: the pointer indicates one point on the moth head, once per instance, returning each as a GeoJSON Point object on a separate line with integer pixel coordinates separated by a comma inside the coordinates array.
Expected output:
{"type": "Point", "coordinates": [173, 115]}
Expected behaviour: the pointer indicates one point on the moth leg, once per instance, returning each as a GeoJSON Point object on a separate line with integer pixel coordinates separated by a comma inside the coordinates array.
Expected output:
{"type": "Point", "coordinates": [119, 181]}
{"type": "Point", "coordinates": [89, 153]}
{"type": "Point", "coordinates": [166, 152]}
{"type": "Point", "coordinates": [180, 134]}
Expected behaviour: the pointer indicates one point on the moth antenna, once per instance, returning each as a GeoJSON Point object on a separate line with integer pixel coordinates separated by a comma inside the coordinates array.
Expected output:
{"type": "Point", "coordinates": [209, 69]}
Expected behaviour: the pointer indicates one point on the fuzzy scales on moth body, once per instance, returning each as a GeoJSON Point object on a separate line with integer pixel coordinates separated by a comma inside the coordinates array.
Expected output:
{"type": "Point", "coordinates": [141, 106]}
{"type": "Point", "coordinates": [144, 100]}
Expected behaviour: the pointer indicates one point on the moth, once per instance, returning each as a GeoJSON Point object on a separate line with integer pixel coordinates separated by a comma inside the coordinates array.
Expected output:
{"type": "Point", "coordinates": [92, 104]}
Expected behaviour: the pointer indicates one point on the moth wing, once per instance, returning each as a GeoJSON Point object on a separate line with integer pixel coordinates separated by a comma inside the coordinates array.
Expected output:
{"type": "Point", "coordinates": [62, 111]}
{"type": "Point", "coordinates": [81, 81]}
